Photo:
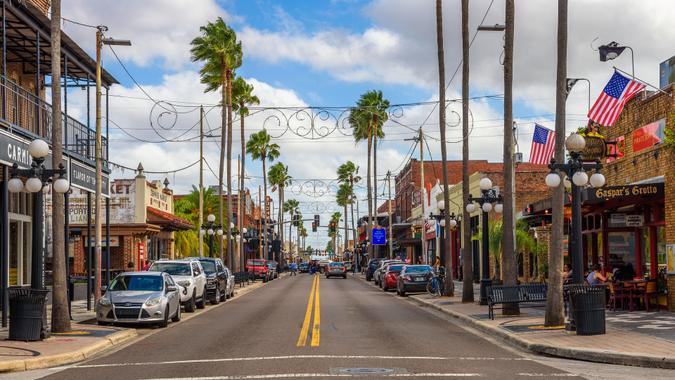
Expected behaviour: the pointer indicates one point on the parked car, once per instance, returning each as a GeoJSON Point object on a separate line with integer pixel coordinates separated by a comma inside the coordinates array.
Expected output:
{"type": "Point", "coordinates": [140, 297]}
{"type": "Point", "coordinates": [372, 266]}
{"type": "Point", "coordinates": [219, 285]}
{"type": "Point", "coordinates": [413, 278]}
{"type": "Point", "coordinates": [273, 269]}
{"type": "Point", "coordinates": [382, 267]}
{"type": "Point", "coordinates": [258, 268]}
{"type": "Point", "coordinates": [303, 267]}
{"type": "Point", "coordinates": [336, 269]}
{"type": "Point", "coordinates": [230, 282]}
{"type": "Point", "coordinates": [188, 274]}
{"type": "Point", "coordinates": [390, 276]}
{"type": "Point", "coordinates": [323, 264]}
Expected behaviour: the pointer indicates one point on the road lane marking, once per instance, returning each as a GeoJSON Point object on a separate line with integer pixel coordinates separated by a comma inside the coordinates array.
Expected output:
{"type": "Point", "coordinates": [302, 357]}
{"type": "Point", "coordinates": [304, 375]}
{"type": "Point", "coordinates": [302, 339]}
{"type": "Point", "coordinates": [316, 333]}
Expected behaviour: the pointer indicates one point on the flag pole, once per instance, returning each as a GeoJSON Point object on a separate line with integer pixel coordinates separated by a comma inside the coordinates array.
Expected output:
{"type": "Point", "coordinates": [641, 81]}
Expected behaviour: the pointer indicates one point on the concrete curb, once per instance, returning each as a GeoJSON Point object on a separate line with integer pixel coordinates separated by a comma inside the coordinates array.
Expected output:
{"type": "Point", "coordinates": [86, 352]}
{"type": "Point", "coordinates": [585, 354]}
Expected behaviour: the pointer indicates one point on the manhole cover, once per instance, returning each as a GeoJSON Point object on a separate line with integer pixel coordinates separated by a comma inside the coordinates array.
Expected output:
{"type": "Point", "coordinates": [363, 371]}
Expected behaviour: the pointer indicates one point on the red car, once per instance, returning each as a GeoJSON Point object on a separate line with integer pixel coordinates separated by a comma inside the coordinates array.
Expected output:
{"type": "Point", "coordinates": [391, 276]}
{"type": "Point", "coordinates": [259, 269]}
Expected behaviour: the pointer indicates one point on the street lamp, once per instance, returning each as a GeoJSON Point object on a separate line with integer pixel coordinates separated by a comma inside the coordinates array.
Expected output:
{"type": "Point", "coordinates": [440, 219]}
{"type": "Point", "coordinates": [575, 168]}
{"type": "Point", "coordinates": [488, 196]}
{"type": "Point", "coordinates": [572, 81]}
{"type": "Point", "coordinates": [612, 50]}
{"type": "Point", "coordinates": [38, 177]}
{"type": "Point", "coordinates": [211, 228]}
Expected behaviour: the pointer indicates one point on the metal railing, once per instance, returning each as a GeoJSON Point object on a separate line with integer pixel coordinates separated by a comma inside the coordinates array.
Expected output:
{"type": "Point", "coordinates": [29, 115]}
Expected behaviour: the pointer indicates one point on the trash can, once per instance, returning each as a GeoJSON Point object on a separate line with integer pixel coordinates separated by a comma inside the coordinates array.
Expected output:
{"type": "Point", "coordinates": [26, 308]}
{"type": "Point", "coordinates": [587, 304]}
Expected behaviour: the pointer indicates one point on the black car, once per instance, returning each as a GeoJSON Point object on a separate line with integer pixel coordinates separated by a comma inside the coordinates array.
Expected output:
{"type": "Point", "coordinates": [216, 279]}
{"type": "Point", "coordinates": [303, 267]}
{"type": "Point", "coordinates": [372, 266]}
{"type": "Point", "coordinates": [413, 278]}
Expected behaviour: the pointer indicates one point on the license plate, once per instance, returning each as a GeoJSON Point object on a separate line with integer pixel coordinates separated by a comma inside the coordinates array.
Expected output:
{"type": "Point", "coordinates": [419, 278]}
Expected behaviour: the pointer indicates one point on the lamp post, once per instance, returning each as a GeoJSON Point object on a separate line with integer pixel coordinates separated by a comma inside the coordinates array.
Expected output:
{"type": "Point", "coordinates": [576, 169]}
{"type": "Point", "coordinates": [38, 178]}
{"type": "Point", "coordinates": [440, 219]}
{"type": "Point", "coordinates": [487, 198]}
{"type": "Point", "coordinates": [612, 50]}
{"type": "Point", "coordinates": [211, 228]}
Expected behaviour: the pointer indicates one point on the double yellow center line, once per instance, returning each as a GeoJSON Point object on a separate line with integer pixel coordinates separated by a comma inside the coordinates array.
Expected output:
{"type": "Point", "coordinates": [314, 303]}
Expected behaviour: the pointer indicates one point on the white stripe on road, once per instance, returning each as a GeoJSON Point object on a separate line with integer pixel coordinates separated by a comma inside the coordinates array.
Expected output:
{"type": "Point", "coordinates": [301, 375]}
{"type": "Point", "coordinates": [260, 358]}
{"type": "Point", "coordinates": [545, 375]}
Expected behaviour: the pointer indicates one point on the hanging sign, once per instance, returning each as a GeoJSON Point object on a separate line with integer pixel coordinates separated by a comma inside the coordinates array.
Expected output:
{"type": "Point", "coordinates": [84, 178]}
{"type": "Point", "coordinates": [379, 236]}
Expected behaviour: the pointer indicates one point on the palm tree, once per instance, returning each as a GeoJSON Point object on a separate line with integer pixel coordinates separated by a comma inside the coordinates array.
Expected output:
{"type": "Point", "coordinates": [261, 147]}
{"type": "Point", "coordinates": [218, 49]}
{"type": "Point", "coordinates": [467, 257]}
{"type": "Point", "coordinates": [367, 119]}
{"type": "Point", "coordinates": [292, 207]}
{"type": "Point", "coordinates": [554, 301]}
{"type": "Point", "coordinates": [279, 178]}
{"type": "Point", "coordinates": [334, 220]}
{"type": "Point", "coordinates": [188, 208]}
{"type": "Point", "coordinates": [242, 96]}
{"type": "Point", "coordinates": [303, 235]}
{"type": "Point", "coordinates": [349, 173]}
{"type": "Point", "coordinates": [343, 198]}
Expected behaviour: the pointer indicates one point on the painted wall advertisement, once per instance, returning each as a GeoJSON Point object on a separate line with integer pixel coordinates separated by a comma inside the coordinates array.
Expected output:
{"type": "Point", "coordinates": [122, 205]}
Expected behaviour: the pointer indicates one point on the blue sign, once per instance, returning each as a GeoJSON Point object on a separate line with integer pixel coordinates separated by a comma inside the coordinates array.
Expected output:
{"type": "Point", "coordinates": [379, 236]}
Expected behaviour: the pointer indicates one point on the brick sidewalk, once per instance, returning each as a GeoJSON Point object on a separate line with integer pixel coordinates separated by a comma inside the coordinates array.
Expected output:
{"type": "Point", "coordinates": [622, 344]}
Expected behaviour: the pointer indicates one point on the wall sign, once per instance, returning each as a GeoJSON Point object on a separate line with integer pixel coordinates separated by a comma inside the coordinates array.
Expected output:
{"type": "Point", "coordinates": [619, 192]}
{"type": "Point", "coordinates": [114, 241]}
{"type": "Point", "coordinates": [379, 236]}
{"type": "Point", "coordinates": [14, 150]}
{"type": "Point", "coordinates": [84, 178]}
{"type": "Point", "coordinates": [648, 135]}
{"type": "Point", "coordinates": [616, 148]}
{"type": "Point", "coordinates": [635, 220]}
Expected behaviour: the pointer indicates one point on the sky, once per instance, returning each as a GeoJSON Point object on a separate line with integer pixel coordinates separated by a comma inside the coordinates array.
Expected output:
{"type": "Point", "coordinates": [325, 53]}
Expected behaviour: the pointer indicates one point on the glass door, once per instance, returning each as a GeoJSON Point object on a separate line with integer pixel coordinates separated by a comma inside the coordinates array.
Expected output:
{"type": "Point", "coordinates": [19, 252]}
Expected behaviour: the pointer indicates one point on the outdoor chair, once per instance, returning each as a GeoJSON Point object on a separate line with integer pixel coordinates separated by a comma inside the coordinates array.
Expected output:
{"type": "Point", "coordinates": [617, 293]}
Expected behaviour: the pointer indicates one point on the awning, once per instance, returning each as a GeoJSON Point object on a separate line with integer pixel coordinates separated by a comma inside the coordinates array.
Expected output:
{"type": "Point", "coordinates": [167, 220]}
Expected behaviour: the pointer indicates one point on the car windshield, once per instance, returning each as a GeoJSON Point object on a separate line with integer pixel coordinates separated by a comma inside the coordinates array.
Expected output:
{"type": "Point", "coordinates": [418, 269]}
{"type": "Point", "coordinates": [137, 283]}
{"type": "Point", "coordinates": [395, 268]}
{"type": "Point", "coordinates": [336, 264]}
{"type": "Point", "coordinates": [209, 266]}
{"type": "Point", "coordinates": [174, 269]}
{"type": "Point", "coordinates": [256, 263]}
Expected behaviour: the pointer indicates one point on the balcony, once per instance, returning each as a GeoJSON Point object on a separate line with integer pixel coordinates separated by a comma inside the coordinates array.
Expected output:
{"type": "Point", "coordinates": [25, 114]}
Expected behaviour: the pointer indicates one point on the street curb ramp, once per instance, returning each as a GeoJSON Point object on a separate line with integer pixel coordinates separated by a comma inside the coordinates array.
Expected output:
{"type": "Point", "coordinates": [585, 354]}
{"type": "Point", "coordinates": [39, 362]}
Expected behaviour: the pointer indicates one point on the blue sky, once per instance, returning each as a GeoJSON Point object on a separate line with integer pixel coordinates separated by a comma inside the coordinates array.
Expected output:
{"type": "Point", "coordinates": [327, 53]}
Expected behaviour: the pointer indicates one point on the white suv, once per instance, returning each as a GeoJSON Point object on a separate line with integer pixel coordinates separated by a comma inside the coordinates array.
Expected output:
{"type": "Point", "coordinates": [189, 275]}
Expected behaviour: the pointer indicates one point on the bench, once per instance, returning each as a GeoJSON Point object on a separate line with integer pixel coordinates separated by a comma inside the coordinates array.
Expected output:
{"type": "Point", "coordinates": [534, 293]}
{"type": "Point", "coordinates": [242, 278]}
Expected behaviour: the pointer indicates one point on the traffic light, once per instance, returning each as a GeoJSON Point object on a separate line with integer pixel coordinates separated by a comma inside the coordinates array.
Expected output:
{"type": "Point", "coordinates": [314, 226]}
{"type": "Point", "coordinates": [316, 220]}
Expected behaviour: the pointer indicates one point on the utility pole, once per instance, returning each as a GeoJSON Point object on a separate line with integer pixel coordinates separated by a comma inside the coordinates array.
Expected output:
{"type": "Point", "coordinates": [467, 254]}
{"type": "Point", "coordinates": [236, 261]}
{"type": "Point", "coordinates": [423, 198]}
{"type": "Point", "coordinates": [201, 181]}
{"type": "Point", "coordinates": [260, 238]}
{"type": "Point", "coordinates": [390, 239]}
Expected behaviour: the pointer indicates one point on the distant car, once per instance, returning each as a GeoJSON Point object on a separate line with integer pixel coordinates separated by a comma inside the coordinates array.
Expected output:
{"type": "Point", "coordinates": [413, 278]}
{"type": "Point", "coordinates": [390, 276]}
{"type": "Point", "coordinates": [323, 264]}
{"type": "Point", "coordinates": [188, 274]}
{"type": "Point", "coordinates": [140, 297]}
{"type": "Point", "coordinates": [372, 266]}
{"type": "Point", "coordinates": [336, 269]}
{"type": "Point", "coordinates": [303, 267]}
{"type": "Point", "coordinates": [382, 267]}
{"type": "Point", "coordinates": [217, 279]}
{"type": "Point", "coordinates": [258, 268]}
{"type": "Point", "coordinates": [273, 269]}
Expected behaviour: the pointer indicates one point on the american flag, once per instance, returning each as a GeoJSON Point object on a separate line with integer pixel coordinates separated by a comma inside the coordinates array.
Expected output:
{"type": "Point", "coordinates": [609, 104]}
{"type": "Point", "coordinates": [543, 145]}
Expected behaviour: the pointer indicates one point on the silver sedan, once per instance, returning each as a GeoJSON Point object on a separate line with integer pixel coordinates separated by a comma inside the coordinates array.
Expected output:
{"type": "Point", "coordinates": [140, 297]}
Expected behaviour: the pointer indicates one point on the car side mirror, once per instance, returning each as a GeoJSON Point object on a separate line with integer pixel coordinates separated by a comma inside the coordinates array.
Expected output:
{"type": "Point", "coordinates": [103, 289]}
{"type": "Point", "coordinates": [171, 288]}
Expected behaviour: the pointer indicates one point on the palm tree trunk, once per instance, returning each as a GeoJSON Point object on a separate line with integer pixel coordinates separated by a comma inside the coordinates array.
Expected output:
{"type": "Point", "coordinates": [377, 221]}
{"type": "Point", "coordinates": [221, 166]}
{"type": "Point", "coordinates": [230, 243]}
{"type": "Point", "coordinates": [467, 255]}
{"type": "Point", "coordinates": [449, 285]}
{"type": "Point", "coordinates": [351, 206]}
{"type": "Point", "coordinates": [280, 226]}
{"type": "Point", "coordinates": [242, 201]}
{"type": "Point", "coordinates": [370, 199]}
{"type": "Point", "coordinates": [509, 262]}
{"type": "Point", "coordinates": [346, 234]}
{"type": "Point", "coordinates": [265, 247]}
{"type": "Point", "coordinates": [290, 231]}
{"type": "Point", "coordinates": [554, 303]}
{"type": "Point", "coordinates": [60, 314]}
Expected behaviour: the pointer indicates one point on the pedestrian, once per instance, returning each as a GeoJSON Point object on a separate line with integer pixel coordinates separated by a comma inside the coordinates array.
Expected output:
{"type": "Point", "coordinates": [596, 277]}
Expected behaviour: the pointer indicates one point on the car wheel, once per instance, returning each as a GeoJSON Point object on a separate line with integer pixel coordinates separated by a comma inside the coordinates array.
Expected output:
{"type": "Point", "coordinates": [385, 288]}
{"type": "Point", "coordinates": [344, 276]}
{"type": "Point", "coordinates": [216, 298]}
{"type": "Point", "coordinates": [165, 322]}
{"type": "Point", "coordinates": [202, 303]}
{"type": "Point", "coordinates": [101, 323]}
{"type": "Point", "coordinates": [402, 292]}
{"type": "Point", "coordinates": [176, 318]}
{"type": "Point", "coordinates": [264, 280]}
{"type": "Point", "coordinates": [190, 306]}
{"type": "Point", "coordinates": [224, 295]}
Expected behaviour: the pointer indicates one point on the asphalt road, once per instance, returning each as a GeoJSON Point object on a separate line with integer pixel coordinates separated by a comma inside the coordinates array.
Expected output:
{"type": "Point", "coordinates": [272, 332]}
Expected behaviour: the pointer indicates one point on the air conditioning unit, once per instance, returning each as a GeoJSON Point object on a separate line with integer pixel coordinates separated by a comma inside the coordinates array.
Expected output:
{"type": "Point", "coordinates": [667, 72]}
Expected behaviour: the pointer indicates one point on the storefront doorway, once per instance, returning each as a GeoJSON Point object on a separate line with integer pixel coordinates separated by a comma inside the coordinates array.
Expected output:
{"type": "Point", "coordinates": [20, 239]}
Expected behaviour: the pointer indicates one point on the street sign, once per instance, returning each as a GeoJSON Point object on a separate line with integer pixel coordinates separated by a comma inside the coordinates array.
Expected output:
{"type": "Point", "coordinates": [379, 236]}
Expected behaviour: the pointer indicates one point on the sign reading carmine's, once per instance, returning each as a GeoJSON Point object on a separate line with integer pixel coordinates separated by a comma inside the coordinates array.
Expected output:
{"type": "Point", "coordinates": [619, 192]}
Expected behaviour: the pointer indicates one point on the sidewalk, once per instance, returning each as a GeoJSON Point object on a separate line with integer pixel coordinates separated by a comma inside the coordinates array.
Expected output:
{"type": "Point", "coordinates": [635, 338]}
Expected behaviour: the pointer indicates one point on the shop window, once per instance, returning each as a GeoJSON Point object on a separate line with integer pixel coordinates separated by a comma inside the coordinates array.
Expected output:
{"type": "Point", "coordinates": [646, 252]}
{"type": "Point", "coordinates": [661, 247]}
{"type": "Point", "coordinates": [621, 248]}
